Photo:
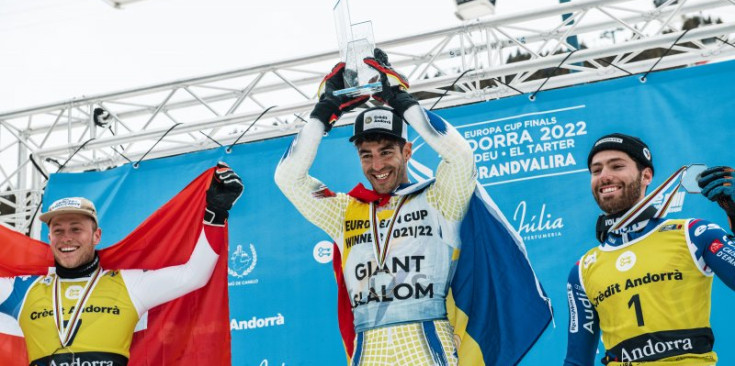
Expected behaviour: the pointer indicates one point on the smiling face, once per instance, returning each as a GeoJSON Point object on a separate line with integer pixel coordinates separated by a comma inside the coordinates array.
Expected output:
{"type": "Point", "coordinates": [72, 238]}
{"type": "Point", "coordinates": [617, 183]}
{"type": "Point", "coordinates": [384, 163]}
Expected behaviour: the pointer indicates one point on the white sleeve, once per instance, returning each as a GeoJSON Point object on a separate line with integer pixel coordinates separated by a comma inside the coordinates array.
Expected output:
{"type": "Point", "coordinates": [456, 174]}
{"type": "Point", "coordinates": [307, 193]}
{"type": "Point", "coordinates": [151, 288]}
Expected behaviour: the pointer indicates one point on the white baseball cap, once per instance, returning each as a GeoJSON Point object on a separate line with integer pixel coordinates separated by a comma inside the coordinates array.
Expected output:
{"type": "Point", "coordinates": [78, 205]}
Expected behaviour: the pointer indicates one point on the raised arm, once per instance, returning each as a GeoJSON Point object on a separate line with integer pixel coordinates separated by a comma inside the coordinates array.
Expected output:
{"type": "Point", "coordinates": [154, 287]}
{"type": "Point", "coordinates": [311, 197]}
{"type": "Point", "coordinates": [149, 289]}
{"type": "Point", "coordinates": [455, 176]}
{"type": "Point", "coordinates": [584, 324]}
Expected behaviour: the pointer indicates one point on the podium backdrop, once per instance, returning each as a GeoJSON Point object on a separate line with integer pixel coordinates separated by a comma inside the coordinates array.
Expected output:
{"type": "Point", "coordinates": [531, 156]}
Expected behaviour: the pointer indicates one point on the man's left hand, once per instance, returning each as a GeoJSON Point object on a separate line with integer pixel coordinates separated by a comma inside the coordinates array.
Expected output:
{"type": "Point", "coordinates": [394, 85]}
{"type": "Point", "coordinates": [223, 192]}
{"type": "Point", "coordinates": [717, 186]}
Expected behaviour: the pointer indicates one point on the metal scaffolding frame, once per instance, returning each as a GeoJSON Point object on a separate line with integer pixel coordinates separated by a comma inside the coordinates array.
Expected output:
{"type": "Point", "coordinates": [465, 64]}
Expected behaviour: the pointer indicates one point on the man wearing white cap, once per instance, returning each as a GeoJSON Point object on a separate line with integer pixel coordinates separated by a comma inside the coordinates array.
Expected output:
{"type": "Point", "coordinates": [82, 314]}
{"type": "Point", "coordinates": [397, 240]}
{"type": "Point", "coordinates": [647, 287]}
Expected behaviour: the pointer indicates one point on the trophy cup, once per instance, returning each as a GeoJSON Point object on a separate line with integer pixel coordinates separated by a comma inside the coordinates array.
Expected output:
{"type": "Point", "coordinates": [355, 42]}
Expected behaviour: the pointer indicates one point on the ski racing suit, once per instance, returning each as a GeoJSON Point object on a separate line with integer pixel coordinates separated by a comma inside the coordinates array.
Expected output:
{"type": "Point", "coordinates": [649, 292]}
{"type": "Point", "coordinates": [399, 309]}
{"type": "Point", "coordinates": [116, 300]}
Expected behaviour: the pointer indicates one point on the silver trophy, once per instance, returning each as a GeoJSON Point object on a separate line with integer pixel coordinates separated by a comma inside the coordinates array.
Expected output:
{"type": "Point", "coordinates": [355, 42]}
{"type": "Point", "coordinates": [690, 176]}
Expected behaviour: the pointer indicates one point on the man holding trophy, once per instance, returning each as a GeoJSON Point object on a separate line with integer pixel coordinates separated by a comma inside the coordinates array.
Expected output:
{"type": "Point", "coordinates": [647, 287]}
{"type": "Point", "coordinates": [397, 283]}
{"type": "Point", "coordinates": [398, 258]}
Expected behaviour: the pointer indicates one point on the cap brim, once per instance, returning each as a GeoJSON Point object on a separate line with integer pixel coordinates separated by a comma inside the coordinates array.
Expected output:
{"type": "Point", "coordinates": [47, 216]}
{"type": "Point", "coordinates": [376, 132]}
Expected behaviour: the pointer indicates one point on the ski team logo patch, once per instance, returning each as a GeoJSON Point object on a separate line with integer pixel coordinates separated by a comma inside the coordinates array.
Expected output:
{"type": "Point", "coordinates": [625, 261]}
{"type": "Point", "coordinates": [715, 246]}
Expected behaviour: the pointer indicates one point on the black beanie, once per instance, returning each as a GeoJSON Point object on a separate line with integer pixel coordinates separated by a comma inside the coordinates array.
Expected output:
{"type": "Point", "coordinates": [631, 145]}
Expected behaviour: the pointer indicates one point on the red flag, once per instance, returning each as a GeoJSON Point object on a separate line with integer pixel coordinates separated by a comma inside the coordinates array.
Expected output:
{"type": "Point", "coordinates": [345, 318]}
{"type": "Point", "coordinates": [191, 330]}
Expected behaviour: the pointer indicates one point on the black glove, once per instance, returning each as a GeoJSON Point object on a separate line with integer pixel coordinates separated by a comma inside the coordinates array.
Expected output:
{"type": "Point", "coordinates": [717, 185]}
{"type": "Point", "coordinates": [223, 192]}
{"type": "Point", "coordinates": [394, 84]}
{"type": "Point", "coordinates": [330, 107]}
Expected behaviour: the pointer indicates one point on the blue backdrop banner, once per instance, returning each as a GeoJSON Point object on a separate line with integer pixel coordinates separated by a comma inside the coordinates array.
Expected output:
{"type": "Point", "coordinates": [531, 157]}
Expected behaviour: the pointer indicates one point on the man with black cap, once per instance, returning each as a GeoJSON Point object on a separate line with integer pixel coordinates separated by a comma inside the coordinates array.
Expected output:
{"type": "Point", "coordinates": [398, 283]}
{"type": "Point", "coordinates": [647, 287]}
{"type": "Point", "coordinates": [82, 314]}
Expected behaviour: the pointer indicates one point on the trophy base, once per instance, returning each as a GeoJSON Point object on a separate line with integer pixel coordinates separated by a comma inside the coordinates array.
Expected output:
{"type": "Point", "coordinates": [366, 89]}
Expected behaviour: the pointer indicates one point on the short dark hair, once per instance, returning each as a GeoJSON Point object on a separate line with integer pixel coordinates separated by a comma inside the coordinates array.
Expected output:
{"type": "Point", "coordinates": [379, 137]}
{"type": "Point", "coordinates": [639, 165]}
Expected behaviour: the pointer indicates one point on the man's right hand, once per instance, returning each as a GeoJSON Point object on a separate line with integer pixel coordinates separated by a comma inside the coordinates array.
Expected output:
{"type": "Point", "coordinates": [330, 107]}
{"type": "Point", "coordinates": [717, 185]}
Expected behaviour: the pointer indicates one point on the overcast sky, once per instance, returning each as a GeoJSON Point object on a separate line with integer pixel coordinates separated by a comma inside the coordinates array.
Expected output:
{"type": "Point", "coordinates": [53, 50]}
{"type": "Point", "coordinates": [56, 50]}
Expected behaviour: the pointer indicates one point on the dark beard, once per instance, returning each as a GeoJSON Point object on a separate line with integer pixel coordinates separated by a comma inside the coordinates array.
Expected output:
{"type": "Point", "coordinates": [631, 194]}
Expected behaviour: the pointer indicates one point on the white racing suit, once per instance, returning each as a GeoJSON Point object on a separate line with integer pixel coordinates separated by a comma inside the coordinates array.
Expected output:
{"type": "Point", "coordinates": [399, 307]}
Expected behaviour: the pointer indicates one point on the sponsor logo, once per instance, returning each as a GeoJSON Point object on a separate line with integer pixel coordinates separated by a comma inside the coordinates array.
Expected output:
{"type": "Point", "coordinates": [255, 322]}
{"type": "Point", "coordinates": [650, 349]}
{"type": "Point", "coordinates": [669, 227]}
{"type": "Point", "coordinates": [702, 228]}
{"type": "Point", "coordinates": [73, 292]}
{"type": "Point", "coordinates": [573, 317]}
{"type": "Point", "coordinates": [588, 260]}
{"type": "Point", "coordinates": [715, 246]}
{"type": "Point", "coordinates": [241, 263]}
{"type": "Point", "coordinates": [537, 225]}
{"type": "Point", "coordinates": [616, 140]}
{"type": "Point", "coordinates": [378, 119]}
{"type": "Point", "coordinates": [66, 202]}
{"type": "Point", "coordinates": [323, 252]}
{"type": "Point", "coordinates": [649, 277]}
{"type": "Point", "coordinates": [647, 153]}
{"type": "Point", "coordinates": [78, 362]}
{"type": "Point", "coordinates": [47, 280]}
{"type": "Point", "coordinates": [625, 261]}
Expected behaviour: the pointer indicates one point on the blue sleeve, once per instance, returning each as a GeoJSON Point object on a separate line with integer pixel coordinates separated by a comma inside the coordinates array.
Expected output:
{"type": "Point", "coordinates": [715, 248]}
{"type": "Point", "coordinates": [18, 290]}
{"type": "Point", "coordinates": [584, 324]}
